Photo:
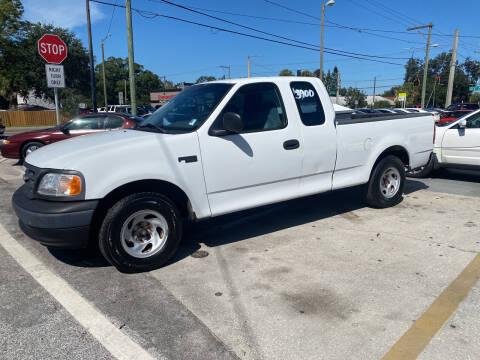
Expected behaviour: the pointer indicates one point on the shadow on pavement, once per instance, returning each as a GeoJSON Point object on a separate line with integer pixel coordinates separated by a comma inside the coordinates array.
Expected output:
{"type": "Point", "coordinates": [458, 175]}
{"type": "Point", "coordinates": [266, 219]}
{"type": "Point", "coordinates": [247, 224]}
{"type": "Point", "coordinates": [88, 258]}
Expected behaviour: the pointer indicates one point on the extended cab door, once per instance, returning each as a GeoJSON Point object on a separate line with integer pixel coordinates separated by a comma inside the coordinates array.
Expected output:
{"type": "Point", "coordinates": [318, 134]}
{"type": "Point", "coordinates": [262, 163]}
{"type": "Point", "coordinates": [462, 146]}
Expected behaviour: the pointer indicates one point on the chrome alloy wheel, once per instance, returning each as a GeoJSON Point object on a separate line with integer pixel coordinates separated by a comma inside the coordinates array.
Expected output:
{"type": "Point", "coordinates": [390, 182]}
{"type": "Point", "coordinates": [144, 234]}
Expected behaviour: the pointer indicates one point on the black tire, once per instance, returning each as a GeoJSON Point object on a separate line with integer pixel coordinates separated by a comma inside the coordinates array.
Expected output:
{"type": "Point", "coordinates": [373, 194]}
{"type": "Point", "coordinates": [109, 239]}
{"type": "Point", "coordinates": [424, 171]}
{"type": "Point", "coordinates": [31, 145]}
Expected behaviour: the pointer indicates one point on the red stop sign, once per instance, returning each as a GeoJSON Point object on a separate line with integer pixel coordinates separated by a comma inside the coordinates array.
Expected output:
{"type": "Point", "coordinates": [52, 48]}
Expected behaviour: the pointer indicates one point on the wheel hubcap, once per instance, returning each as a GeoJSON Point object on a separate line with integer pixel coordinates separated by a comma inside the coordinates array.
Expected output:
{"type": "Point", "coordinates": [144, 234]}
{"type": "Point", "coordinates": [31, 149]}
{"type": "Point", "coordinates": [390, 183]}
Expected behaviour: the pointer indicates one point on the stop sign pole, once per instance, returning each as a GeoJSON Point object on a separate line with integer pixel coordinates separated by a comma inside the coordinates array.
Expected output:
{"type": "Point", "coordinates": [54, 50]}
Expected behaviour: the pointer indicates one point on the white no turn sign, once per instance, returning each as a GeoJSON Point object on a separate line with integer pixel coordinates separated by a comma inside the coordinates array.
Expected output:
{"type": "Point", "coordinates": [55, 76]}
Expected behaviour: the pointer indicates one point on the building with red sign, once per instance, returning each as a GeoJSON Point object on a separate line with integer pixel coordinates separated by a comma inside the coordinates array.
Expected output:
{"type": "Point", "coordinates": [162, 96]}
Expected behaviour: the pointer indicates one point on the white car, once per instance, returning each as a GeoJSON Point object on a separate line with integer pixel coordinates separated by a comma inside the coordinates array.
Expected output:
{"type": "Point", "coordinates": [457, 145]}
{"type": "Point", "coordinates": [214, 149]}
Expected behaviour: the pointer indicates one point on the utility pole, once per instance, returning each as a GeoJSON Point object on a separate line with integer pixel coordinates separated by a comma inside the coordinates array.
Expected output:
{"type": "Point", "coordinates": [226, 67]}
{"type": "Point", "coordinates": [374, 86]}
{"type": "Point", "coordinates": [425, 67]}
{"type": "Point", "coordinates": [451, 75]}
{"type": "Point", "coordinates": [320, 74]}
{"type": "Point", "coordinates": [338, 87]}
{"type": "Point", "coordinates": [92, 69]}
{"type": "Point", "coordinates": [125, 86]}
{"type": "Point", "coordinates": [103, 71]}
{"type": "Point", "coordinates": [164, 84]}
{"type": "Point", "coordinates": [131, 73]}
{"type": "Point", "coordinates": [248, 66]}
{"type": "Point", "coordinates": [328, 3]}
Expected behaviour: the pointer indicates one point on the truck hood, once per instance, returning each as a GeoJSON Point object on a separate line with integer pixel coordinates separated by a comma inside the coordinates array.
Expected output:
{"type": "Point", "coordinates": [69, 154]}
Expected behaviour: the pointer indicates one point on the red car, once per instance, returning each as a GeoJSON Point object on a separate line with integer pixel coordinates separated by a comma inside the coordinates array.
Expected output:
{"type": "Point", "coordinates": [449, 116]}
{"type": "Point", "coordinates": [20, 145]}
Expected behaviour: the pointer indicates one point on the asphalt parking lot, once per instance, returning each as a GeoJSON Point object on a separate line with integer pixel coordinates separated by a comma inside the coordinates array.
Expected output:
{"type": "Point", "coordinates": [322, 277]}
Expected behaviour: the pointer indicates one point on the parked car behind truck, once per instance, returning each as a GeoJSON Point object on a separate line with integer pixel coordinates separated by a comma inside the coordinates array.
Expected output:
{"type": "Point", "coordinates": [20, 145]}
{"type": "Point", "coordinates": [215, 148]}
{"type": "Point", "coordinates": [457, 146]}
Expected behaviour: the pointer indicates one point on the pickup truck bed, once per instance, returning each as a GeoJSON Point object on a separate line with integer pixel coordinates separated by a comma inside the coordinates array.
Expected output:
{"type": "Point", "coordinates": [358, 135]}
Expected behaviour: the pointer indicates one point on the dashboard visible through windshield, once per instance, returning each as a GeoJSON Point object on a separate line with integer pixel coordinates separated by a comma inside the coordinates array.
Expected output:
{"type": "Point", "coordinates": [188, 110]}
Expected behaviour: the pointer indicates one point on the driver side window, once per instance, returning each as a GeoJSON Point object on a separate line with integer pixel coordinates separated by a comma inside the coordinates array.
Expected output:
{"type": "Point", "coordinates": [259, 106]}
{"type": "Point", "coordinates": [473, 122]}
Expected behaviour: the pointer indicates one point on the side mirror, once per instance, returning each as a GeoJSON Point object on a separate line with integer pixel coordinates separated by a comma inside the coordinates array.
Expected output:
{"type": "Point", "coordinates": [232, 122]}
{"type": "Point", "coordinates": [462, 124]}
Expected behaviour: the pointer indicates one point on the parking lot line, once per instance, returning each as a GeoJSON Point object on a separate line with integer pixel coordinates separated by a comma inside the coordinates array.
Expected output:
{"type": "Point", "coordinates": [114, 340]}
{"type": "Point", "coordinates": [415, 339]}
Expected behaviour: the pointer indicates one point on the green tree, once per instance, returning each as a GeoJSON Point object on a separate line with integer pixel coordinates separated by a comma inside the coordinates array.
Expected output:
{"type": "Point", "coordinates": [382, 104]}
{"type": "Point", "coordinates": [307, 73]}
{"type": "Point", "coordinates": [11, 12]}
{"type": "Point", "coordinates": [330, 80]}
{"type": "Point", "coordinates": [205, 78]}
{"type": "Point", "coordinates": [354, 94]}
{"type": "Point", "coordinates": [116, 73]}
{"type": "Point", "coordinates": [285, 72]}
{"type": "Point", "coordinates": [475, 98]}
{"type": "Point", "coordinates": [471, 69]}
{"type": "Point", "coordinates": [413, 69]}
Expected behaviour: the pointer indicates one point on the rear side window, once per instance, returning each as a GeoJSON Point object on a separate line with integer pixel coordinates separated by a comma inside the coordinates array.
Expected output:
{"type": "Point", "coordinates": [308, 103]}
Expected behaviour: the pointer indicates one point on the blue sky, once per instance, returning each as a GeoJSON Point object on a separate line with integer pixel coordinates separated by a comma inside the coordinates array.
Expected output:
{"type": "Point", "coordinates": [183, 52]}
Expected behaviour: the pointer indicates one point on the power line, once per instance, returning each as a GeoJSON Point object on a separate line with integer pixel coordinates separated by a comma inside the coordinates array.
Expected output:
{"type": "Point", "coordinates": [274, 35]}
{"type": "Point", "coordinates": [293, 10]}
{"type": "Point", "coordinates": [111, 19]}
{"type": "Point", "coordinates": [393, 12]}
{"type": "Point", "coordinates": [151, 15]}
{"type": "Point", "coordinates": [364, 31]}
{"type": "Point", "coordinates": [256, 17]}
{"type": "Point", "coordinates": [363, 7]}
{"type": "Point", "coordinates": [353, 28]}
{"type": "Point", "coordinates": [231, 22]}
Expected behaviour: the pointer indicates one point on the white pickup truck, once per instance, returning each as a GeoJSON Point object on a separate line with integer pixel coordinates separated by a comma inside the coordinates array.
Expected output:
{"type": "Point", "coordinates": [457, 146]}
{"type": "Point", "coordinates": [216, 148]}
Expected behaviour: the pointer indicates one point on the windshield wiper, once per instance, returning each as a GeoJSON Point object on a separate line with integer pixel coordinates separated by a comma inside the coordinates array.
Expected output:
{"type": "Point", "coordinates": [152, 126]}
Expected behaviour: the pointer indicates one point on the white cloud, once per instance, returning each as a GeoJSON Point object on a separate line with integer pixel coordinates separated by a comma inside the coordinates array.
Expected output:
{"type": "Point", "coordinates": [64, 13]}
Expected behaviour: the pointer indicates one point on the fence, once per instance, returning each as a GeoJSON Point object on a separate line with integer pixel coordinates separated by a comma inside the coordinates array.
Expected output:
{"type": "Point", "coordinates": [31, 118]}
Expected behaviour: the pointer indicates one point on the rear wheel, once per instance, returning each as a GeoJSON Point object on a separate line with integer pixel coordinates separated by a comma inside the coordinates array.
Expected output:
{"type": "Point", "coordinates": [386, 184]}
{"type": "Point", "coordinates": [30, 147]}
{"type": "Point", "coordinates": [141, 232]}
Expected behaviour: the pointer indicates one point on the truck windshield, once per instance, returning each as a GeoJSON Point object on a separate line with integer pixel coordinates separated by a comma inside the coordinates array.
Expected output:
{"type": "Point", "coordinates": [188, 110]}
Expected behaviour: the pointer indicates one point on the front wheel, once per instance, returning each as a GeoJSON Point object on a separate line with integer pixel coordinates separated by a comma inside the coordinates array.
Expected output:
{"type": "Point", "coordinates": [141, 232]}
{"type": "Point", "coordinates": [30, 147]}
{"type": "Point", "coordinates": [386, 184]}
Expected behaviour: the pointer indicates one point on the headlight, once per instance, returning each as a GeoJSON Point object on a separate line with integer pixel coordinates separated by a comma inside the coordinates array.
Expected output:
{"type": "Point", "coordinates": [4, 142]}
{"type": "Point", "coordinates": [53, 184]}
